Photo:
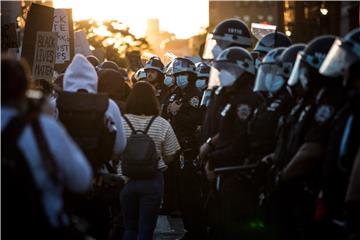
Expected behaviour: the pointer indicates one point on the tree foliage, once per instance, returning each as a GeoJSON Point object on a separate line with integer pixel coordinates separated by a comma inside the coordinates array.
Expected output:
{"type": "Point", "coordinates": [113, 37]}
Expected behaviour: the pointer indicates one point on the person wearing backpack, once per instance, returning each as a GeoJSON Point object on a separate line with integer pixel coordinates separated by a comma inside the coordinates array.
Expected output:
{"type": "Point", "coordinates": [95, 123]}
{"type": "Point", "coordinates": [151, 145]}
{"type": "Point", "coordinates": [38, 161]}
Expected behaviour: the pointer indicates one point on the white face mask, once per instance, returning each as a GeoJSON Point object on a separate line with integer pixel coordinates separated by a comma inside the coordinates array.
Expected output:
{"type": "Point", "coordinates": [182, 81]}
{"type": "Point", "coordinates": [216, 50]}
{"type": "Point", "coordinates": [200, 84]}
{"type": "Point", "coordinates": [273, 83]}
{"type": "Point", "coordinates": [168, 81]}
{"type": "Point", "coordinates": [226, 78]}
{"type": "Point", "coordinates": [257, 63]}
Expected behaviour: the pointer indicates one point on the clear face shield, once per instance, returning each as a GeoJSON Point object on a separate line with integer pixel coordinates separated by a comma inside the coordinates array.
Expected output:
{"type": "Point", "coordinates": [268, 78]}
{"type": "Point", "coordinates": [224, 74]}
{"type": "Point", "coordinates": [295, 73]}
{"type": "Point", "coordinates": [340, 57]}
{"type": "Point", "coordinates": [213, 47]}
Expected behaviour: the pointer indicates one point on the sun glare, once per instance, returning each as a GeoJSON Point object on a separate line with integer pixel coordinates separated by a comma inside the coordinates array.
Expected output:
{"type": "Point", "coordinates": [181, 17]}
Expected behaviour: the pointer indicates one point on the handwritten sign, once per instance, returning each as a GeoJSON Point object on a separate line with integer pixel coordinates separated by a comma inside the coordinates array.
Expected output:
{"type": "Point", "coordinates": [61, 26]}
{"type": "Point", "coordinates": [39, 19]}
{"type": "Point", "coordinates": [45, 55]}
{"type": "Point", "coordinates": [82, 45]}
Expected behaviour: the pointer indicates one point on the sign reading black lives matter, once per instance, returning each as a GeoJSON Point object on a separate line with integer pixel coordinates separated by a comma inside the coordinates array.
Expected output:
{"type": "Point", "coordinates": [61, 26]}
{"type": "Point", "coordinates": [45, 55]}
{"type": "Point", "coordinates": [40, 18]}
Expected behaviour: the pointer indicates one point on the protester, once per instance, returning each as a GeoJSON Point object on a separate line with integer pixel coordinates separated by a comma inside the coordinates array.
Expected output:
{"type": "Point", "coordinates": [141, 198]}
{"type": "Point", "coordinates": [270, 150]}
{"type": "Point", "coordinates": [21, 125]}
{"type": "Point", "coordinates": [112, 83]}
{"type": "Point", "coordinates": [95, 122]}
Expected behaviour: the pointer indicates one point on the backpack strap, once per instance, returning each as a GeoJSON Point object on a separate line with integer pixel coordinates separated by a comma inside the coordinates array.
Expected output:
{"type": "Point", "coordinates": [130, 125]}
{"type": "Point", "coordinates": [149, 124]}
{"type": "Point", "coordinates": [47, 157]}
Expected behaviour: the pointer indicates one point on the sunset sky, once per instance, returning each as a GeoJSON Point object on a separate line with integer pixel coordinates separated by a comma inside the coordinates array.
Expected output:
{"type": "Point", "coordinates": [182, 17]}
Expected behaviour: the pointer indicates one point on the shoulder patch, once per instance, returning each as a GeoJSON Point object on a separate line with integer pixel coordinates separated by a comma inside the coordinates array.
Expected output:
{"type": "Point", "coordinates": [323, 113]}
{"type": "Point", "coordinates": [194, 102]}
{"type": "Point", "coordinates": [243, 111]}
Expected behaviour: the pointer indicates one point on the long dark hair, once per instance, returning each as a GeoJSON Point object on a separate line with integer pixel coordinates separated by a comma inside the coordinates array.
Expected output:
{"type": "Point", "coordinates": [142, 100]}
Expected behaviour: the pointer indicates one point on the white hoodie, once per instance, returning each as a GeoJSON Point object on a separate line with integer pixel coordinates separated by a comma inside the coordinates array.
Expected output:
{"type": "Point", "coordinates": [80, 74]}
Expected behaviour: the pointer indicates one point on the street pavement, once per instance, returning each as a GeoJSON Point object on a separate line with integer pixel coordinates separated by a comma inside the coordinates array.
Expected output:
{"type": "Point", "coordinates": [168, 228]}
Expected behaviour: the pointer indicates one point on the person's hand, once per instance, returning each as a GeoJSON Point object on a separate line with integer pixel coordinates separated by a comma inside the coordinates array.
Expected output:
{"type": "Point", "coordinates": [204, 151]}
{"type": "Point", "coordinates": [211, 176]}
{"type": "Point", "coordinates": [174, 107]}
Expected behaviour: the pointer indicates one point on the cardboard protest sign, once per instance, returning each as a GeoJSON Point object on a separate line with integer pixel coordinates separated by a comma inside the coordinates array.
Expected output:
{"type": "Point", "coordinates": [63, 26]}
{"type": "Point", "coordinates": [44, 55]}
{"type": "Point", "coordinates": [82, 45]}
{"type": "Point", "coordinates": [260, 30]}
{"type": "Point", "coordinates": [40, 18]}
{"type": "Point", "coordinates": [9, 36]}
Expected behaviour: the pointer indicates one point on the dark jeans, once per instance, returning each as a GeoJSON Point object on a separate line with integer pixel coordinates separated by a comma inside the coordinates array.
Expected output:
{"type": "Point", "coordinates": [140, 204]}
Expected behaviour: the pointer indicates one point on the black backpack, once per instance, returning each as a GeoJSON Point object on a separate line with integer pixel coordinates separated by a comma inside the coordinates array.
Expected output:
{"type": "Point", "coordinates": [24, 213]}
{"type": "Point", "coordinates": [83, 115]}
{"type": "Point", "coordinates": [139, 159]}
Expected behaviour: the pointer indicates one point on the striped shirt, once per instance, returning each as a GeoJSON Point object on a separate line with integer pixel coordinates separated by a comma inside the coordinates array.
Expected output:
{"type": "Point", "coordinates": [160, 131]}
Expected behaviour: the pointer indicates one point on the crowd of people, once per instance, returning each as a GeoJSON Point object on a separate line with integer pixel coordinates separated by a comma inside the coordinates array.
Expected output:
{"type": "Point", "coordinates": [258, 143]}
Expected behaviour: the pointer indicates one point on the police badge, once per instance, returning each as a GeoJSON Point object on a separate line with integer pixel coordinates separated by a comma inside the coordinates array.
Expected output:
{"type": "Point", "coordinates": [243, 111]}
{"type": "Point", "coordinates": [194, 102]}
{"type": "Point", "coordinates": [323, 113]}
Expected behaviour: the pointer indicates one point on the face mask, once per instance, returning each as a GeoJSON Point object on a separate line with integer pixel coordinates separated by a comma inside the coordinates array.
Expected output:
{"type": "Point", "coordinates": [226, 78]}
{"type": "Point", "coordinates": [257, 63]}
{"type": "Point", "coordinates": [168, 81]}
{"type": "Point", "coordinates": [273, 83]}
{"type": "Point", "coordinates": [216, 50]}
{"type": "Point", "coordinates": [182, 81]}
{"type": "Point", "coordinates": [200, 84]}
{"type": "Point", "coordinates": [303, 78]}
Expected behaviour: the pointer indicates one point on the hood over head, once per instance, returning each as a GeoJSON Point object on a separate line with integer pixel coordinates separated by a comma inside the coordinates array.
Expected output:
{"type": "Point", "coordinates": [80, 74]}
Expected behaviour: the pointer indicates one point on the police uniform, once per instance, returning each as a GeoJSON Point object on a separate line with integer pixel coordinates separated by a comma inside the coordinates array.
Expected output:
{"type": "Point", "coordinates": [343, 142]}
{"type": "Point", "coordinates": [236, 207]}
{"type": "Point", "coordinates": [296, 200]}
{"type": "Point", "coordinates": [185, 123]}
{"type": "Point", "coordinates": [265, 122]}
{"type": "Point", "coordinates": [286, 200]}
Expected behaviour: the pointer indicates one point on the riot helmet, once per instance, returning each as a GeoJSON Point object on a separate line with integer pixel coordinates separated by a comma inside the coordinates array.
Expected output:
{"type": "Point", "coordinates": [270, 41]}
{"type": "Point", "coordinates": [231, 64]}
{"type": "Point", "coordinates": [228, 33]}
{"type": "Point", "coordinates": [305, 72]}
{"type": "Point", "coordinates": [183, 72]}
{"type": "Point", "coordinates": [343, 54]}
{"type": "Point", "coordinates": [267, 79]}
{"type": "Point", "coordinates": [203, 73]}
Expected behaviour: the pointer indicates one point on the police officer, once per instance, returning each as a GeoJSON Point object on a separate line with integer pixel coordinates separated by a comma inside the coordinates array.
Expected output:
{"type": "Point", "coordinates": [139, 75]}
{"type": "Point", "coordinates": [154, 70]}
{"type": "Point", "coordinates": [230, 32]}
{"type": "Point", "coordinates": [343, 60]}
{"type": "Point", "coordinates": [185, 118]}
{"type": "Point", "coordinates": [269, 42]}
{"type": "Point", "coordinates": [295, 198]}
{"type": "Point", "coordinates": [233, 70]}
{"type": "Point", "coordinates": [271, 79]}
{"type": "Point", "coordinates": [203, 72]}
